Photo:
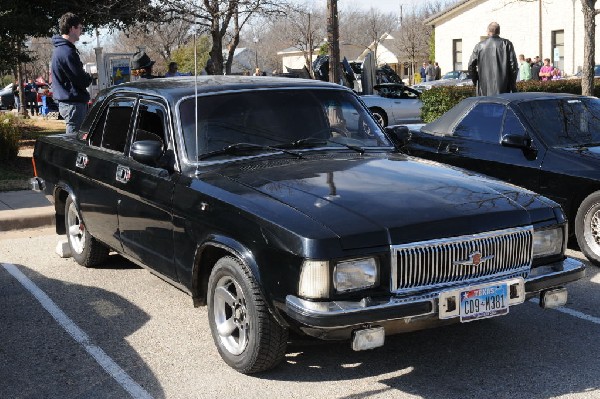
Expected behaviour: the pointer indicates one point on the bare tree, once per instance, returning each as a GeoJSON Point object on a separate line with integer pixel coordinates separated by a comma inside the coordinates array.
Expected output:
{"type": "Point", "coordinates": [589, 50]}
{"type": "Point", "coordinates": [223, 20]}
{"type": "Point", "coordinates": [412, 40]}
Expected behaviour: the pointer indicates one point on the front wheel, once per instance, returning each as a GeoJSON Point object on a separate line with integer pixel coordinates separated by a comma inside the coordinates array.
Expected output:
{"type": "Point", "coordinates": [380, 116]}
{"type": "Point", "coordinates": [247, 336]}
{"type": "Point", "coordinates": [85, 249]}
{"type": "Point", "coordinates": [587, 227]}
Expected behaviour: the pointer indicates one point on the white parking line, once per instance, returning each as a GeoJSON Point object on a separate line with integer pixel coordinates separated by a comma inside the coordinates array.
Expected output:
{"type": "Point", "coordinates": [571, 312]}
{"type": "Point", "coordinates": [112, 368]}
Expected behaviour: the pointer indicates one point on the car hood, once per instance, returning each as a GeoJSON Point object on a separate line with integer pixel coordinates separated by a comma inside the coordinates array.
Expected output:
{"type": "Point", "coordinates": [381, 200]}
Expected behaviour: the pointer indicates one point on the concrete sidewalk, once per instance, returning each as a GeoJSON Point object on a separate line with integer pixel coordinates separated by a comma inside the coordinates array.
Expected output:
{"type": "Point", "coordinates": [24, 209]}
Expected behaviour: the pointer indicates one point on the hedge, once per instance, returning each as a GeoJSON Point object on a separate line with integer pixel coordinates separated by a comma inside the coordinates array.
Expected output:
{"type": "Point", "coordinates": [9, 137]}
{"type": "Point", "coordinates": [438, 100]}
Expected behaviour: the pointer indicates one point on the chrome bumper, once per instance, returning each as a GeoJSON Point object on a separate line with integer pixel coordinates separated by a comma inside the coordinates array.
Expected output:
{"type": "Point", "coordinates": [344, 314]}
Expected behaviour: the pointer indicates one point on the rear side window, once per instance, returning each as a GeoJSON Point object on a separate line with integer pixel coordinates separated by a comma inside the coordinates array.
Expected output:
{"type": "Point", "coordinates": [113, 126]}
{"type": "Point", "coordinates": [483, 123]}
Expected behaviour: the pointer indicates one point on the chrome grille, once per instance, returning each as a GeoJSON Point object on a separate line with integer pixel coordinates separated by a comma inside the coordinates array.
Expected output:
{"type": "Point", "coordinates": [444, 262]}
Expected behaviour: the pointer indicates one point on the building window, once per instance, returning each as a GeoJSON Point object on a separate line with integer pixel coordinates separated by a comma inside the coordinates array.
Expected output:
{"type": "Point", "coordinates": [457, 54]}
{"type": "Point", "coordinates": [558, 49]}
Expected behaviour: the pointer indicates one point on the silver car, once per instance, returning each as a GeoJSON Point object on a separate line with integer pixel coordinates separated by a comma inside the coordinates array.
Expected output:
{"type": "Point", "coordinates": [452, 78]}
{"type": "Point", "coordinates": [394, 104]}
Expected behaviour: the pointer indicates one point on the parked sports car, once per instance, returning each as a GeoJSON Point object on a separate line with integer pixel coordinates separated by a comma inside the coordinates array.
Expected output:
{"type": "Point", "coordinates": [452, 78]}
{"type": "Point", "coordinates": [547, 142]}
{"type": "Point", "coordinates": [394, 104]}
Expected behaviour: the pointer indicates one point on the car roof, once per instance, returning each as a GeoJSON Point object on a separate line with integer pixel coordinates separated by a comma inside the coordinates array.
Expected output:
{"type": "Point", "coordinates": [445, 123]}
{"type": "Point", "coordinates": [175, 88]}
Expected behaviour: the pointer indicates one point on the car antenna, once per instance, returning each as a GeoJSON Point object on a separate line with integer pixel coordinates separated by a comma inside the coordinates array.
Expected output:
{"type": "Point", "coordinates": [196, 93]}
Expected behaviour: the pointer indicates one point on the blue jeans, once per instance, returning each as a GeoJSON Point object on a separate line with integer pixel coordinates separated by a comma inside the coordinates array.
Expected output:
{"type": "Point", "coordinates": [74, 114]}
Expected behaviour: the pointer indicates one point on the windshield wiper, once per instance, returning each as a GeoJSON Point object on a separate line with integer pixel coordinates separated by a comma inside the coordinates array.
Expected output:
{"type": "Point", "coordinates": [312, 142]}
{"type": "Point", "coordinates": [242, 147]}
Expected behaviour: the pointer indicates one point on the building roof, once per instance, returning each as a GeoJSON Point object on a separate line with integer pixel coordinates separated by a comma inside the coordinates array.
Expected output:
{"type": "Point", "coordinates": [448, 10]}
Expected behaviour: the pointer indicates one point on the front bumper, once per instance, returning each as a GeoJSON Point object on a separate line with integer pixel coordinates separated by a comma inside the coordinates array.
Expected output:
{"type": "Point", "coordinates": [337, 319]}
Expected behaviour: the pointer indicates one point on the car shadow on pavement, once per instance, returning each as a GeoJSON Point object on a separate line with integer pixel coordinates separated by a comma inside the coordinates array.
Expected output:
{"type": "Point", "coordinates": [529, 353]}
{"type": "Point", "coordinates": [40, 359]}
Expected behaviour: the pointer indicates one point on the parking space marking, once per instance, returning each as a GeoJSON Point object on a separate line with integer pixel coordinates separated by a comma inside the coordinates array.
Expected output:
{"type": "Point", "coordinates": [571, 312]}
{"type": "Point", "coordinates": [112, 368]}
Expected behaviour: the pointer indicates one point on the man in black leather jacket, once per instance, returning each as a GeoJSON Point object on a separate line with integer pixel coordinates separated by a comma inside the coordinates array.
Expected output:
{"type": "Point", "coordinates": [493, 64]}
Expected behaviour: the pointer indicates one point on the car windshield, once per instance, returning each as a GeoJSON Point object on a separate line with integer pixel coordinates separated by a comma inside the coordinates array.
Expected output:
{"type": "Point", "coordinates": [277, 118]}
{"type": "Point", "coordinates": [565, 122]}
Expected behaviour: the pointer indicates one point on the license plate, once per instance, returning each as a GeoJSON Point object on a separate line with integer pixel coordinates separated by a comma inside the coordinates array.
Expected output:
{"type": "Point", "coordinates": [483, 302]}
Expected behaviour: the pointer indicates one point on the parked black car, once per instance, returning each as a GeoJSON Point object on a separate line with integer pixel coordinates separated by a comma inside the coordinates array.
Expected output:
{"type": "Point", "coordinates": [548, 143]}
{"type": "Point", "coordinates": [7, 97]}
{"type": "Point", "coordinates": [282, 205]}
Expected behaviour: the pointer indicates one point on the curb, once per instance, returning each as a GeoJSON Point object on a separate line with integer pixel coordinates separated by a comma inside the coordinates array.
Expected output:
{"type": "Point", "coordinates": [26, 218]}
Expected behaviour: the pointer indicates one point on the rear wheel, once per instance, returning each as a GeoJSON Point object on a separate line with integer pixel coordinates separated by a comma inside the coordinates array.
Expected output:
{"type": "Point", "coordinates": [85, 249]}
{"type": "Point", "coordinates": [587, 227]}
{"type": "Point", "coordinates": [380, 116]}
{"type": "Point", "coordinates": [247, 336]}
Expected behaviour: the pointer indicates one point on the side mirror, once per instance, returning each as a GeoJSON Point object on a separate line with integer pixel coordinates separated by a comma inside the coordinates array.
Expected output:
{"type": "Point", "coordinates": [147, 151]}
{"type": "Point", "coordinates": [516, 141]}
{"type": "Point", "coordinates": [400, 135]}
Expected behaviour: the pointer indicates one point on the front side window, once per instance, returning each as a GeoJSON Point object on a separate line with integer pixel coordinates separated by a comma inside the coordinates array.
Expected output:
{"type": "Point", "coordinates": [483, 123]}
{"type": "Point", "coordinates": [565, 122]}
{"type": "Point", "coordinates": [113, 126]}
{"type": "Point", "coordinates": [276, 118]}
{"type": "Point", "coordinates": [151, 122]}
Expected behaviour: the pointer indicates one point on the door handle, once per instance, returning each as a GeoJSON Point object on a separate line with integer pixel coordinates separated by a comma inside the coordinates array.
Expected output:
{"type": "Point", "coordinates": [123, 174]}
{"type": "Point", "coordinates": [81, 161]}
{"type": "Point", "coordinates": [452, 148]}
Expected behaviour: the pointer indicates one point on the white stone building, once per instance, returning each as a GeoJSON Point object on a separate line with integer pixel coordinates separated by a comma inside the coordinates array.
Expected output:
{"type": "Point", "coordinates": [460, 27]}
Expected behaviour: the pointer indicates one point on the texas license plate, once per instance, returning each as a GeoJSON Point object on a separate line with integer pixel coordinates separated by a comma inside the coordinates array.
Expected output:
{"type": "Point", "coordinates": [483, 302]}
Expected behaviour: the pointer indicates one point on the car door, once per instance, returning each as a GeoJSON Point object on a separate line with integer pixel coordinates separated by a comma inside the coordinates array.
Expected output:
{"type": "Point", "coordinates": [97, 165]}
{"type": "Point", "coordinates": [407, 106]}
{"type": "Point", "coordinates": [146, 192]}
{"type": "Point", "coordinates": [475, 144]}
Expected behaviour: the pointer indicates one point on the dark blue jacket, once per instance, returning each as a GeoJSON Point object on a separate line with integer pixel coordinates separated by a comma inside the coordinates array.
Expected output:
{"type": "Point", "coordinates": [69, 80]}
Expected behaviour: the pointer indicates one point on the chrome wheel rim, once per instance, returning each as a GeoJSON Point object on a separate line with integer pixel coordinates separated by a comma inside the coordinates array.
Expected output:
{"type": "Point", "coordinates": [378, 118]}
{"type": "Point", "coordinates": [76, 230]}
{"type": "Point", "coordinates": [231, 315]}
{"type": "Point", "coordinates": [591, 228]}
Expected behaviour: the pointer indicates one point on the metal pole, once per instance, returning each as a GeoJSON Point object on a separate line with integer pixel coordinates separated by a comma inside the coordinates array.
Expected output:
{"type": "Point", "coordinates": [334, 41]}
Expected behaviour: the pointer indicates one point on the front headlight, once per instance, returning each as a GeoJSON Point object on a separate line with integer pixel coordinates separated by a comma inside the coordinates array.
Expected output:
{"type": "Point", "coordinates": [356, 274]}
{"type": "Point", "coordinates": [548, 242]}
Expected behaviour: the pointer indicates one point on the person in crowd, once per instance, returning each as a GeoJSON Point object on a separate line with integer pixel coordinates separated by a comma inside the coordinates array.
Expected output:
{"type": "Point", "coordinates": [546, 70]}
{"type": "Point", "coordinates": [209, 69]}
{"type": "Point", "coordinates": [524, 68]}
{"type": "Point", "coordinates": [429, 72]}
{"type": "Point", "coordinates": [556, 74]}
{"type": "Point", "coordinates": [69, 79]}
{"type": "Point", "coordinates": [257, 72]}
{"type": "Point", "coordinates": [422, 72]}
{"type": "Point", "coordinates": [493, 64]}
{"type": "Point", "coordinates": [31, 92]}
{"type": "Point", "coordinates": [535, 68]}
{"type": "Point", "coordinates": [16, 90]}
{"type": "Point", "coordinates": [141, 65]}
{"type": "Point", "coordinates": [438, 71]}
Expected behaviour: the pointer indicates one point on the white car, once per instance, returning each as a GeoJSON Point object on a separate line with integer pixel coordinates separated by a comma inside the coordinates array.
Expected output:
{"type": "Point", "coordinates": [452, 78]}
{"type": "Point", "coordinates": [394, 104]}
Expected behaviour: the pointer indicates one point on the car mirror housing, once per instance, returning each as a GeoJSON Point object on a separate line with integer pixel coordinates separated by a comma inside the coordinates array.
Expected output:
{"type": "Point", "coordinates": [399, 135]}
{"type": "Point", "coordinates": [516, 141]}
{"type": "Point", "coordinates": [147, 151]}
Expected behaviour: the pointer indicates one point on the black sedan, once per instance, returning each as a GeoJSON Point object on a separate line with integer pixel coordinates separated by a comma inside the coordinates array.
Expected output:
{"type": "Point", "coordinates": [548, 143]}
{"type": "Point", "coordinates": [282, 206]}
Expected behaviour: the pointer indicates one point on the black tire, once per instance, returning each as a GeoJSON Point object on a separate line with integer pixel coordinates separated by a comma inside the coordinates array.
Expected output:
{"type": "Point", "coordinates": [250, 340]}
{"type": "Point", "coordinates": [85, 249]}
{"type": "Point", "coordinates": [587, 227]}
{"type": "Point", "coordinates": [380, 116]}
